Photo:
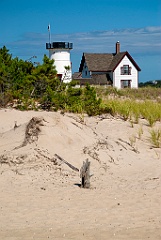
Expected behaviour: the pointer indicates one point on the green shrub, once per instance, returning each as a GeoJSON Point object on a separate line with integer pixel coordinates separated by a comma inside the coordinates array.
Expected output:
{"type": "Point", "coordinates": [155, 137]}
{"type": "Point", "coordinates": [90, 101]}
{"type": "Point", "coordinates": [124, 109]}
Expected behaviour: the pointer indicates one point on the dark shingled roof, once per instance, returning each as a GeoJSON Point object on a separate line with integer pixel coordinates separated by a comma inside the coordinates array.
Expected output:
{"type": "Point", "coordinates": [76, 75]}
{"type": "Point", "coordinates": [97, 61]}
{"type": "Point", "coordinates": [116, 60]}
{"type": "Point", "coordinates": [104, 62]}
{"type": "Point", "coordinates": [97, 79]}
{"type": "Point", "coordinates": [100, 78]}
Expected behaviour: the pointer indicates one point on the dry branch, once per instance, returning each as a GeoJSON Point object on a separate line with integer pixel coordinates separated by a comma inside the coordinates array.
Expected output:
{"type": "Point", "coordinates": [67, 163]}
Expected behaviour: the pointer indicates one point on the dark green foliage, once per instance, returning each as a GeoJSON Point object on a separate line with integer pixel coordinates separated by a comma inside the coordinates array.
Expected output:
{"type": "Point", "coordinates": [73, 95]}
{"type": "Point", "coordinates": [23, 80]}
{"type": "Point", "coordinates": [73, 83]}
{"type": "Point", "coordinates": [27, 86]}
{"type": "Point", "coordinates": [77, 100]}
{"type": "Point", "coordinates": [36, 87]}
{"type": "Point", "coordinates": [5, 62]}
{"type": "Point", "coordinates": [155, 84]}
{"type": "Point", "coordinates": [91, 103]}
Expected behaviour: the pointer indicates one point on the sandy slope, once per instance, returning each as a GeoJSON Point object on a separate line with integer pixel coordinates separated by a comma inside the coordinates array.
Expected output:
{"type": "Point", "coordinates": [40, 196]}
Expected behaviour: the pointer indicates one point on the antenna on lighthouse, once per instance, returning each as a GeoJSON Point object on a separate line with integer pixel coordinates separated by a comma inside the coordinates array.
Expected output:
{"type": "Point", "coordinates": [49, 33]}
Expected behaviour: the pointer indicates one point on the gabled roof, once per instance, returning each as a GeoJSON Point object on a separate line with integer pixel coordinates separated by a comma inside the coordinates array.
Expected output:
{"type": "Point", "coordinates": [116, 60]}
{"type": "Point", "coordinates": [104, 62]}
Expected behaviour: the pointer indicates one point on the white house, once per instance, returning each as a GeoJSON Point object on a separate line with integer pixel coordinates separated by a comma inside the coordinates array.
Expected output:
{"type": "Point", "coordinates": [117, 69]}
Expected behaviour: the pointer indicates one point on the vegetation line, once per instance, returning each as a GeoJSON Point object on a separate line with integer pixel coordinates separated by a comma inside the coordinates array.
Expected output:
{"type": "Point", "coordinates": [28, 86]}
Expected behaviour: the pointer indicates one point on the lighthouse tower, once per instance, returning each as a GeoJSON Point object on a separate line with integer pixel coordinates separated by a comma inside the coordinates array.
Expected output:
{"type": "Point", "coordinates": [60, 52]}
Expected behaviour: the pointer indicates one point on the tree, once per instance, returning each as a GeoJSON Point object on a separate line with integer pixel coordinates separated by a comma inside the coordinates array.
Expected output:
{"type": "Point", "coordinates": [5, 62]}
{"type": "Point", "coordinates": [45, 76]}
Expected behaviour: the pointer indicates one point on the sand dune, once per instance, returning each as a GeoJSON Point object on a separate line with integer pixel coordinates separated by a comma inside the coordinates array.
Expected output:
{"type": "Point", "coordinates": [40, 195]}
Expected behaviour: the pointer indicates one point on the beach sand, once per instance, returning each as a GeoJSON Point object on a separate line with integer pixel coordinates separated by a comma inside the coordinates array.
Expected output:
{"type": "Point", "coordinates": [40, 196]}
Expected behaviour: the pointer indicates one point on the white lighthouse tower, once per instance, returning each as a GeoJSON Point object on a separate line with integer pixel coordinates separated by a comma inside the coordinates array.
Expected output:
{"type": "Point", "coordinates": [60, 52]}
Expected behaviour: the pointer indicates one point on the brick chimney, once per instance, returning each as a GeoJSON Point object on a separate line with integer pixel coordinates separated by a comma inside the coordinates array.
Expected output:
{"type": "Point", "coordinates": [117, 47]}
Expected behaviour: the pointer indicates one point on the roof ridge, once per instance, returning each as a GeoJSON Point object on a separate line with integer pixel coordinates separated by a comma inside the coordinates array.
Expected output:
{"type": "Point", "coordinates": [104, 61]}
{"type": "Point", "coordinates": [105, 53]}
{"type": "Point", "coordinates": [97, 53]}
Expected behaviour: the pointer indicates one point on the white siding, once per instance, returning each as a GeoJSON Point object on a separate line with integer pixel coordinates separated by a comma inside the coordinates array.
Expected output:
{"type": "Point", "coordinates": [61, 60]}
{"type": "Point", "coordinates": [117, 77]}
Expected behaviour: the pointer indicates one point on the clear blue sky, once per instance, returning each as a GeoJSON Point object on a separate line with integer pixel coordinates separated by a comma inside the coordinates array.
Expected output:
{"type": "Point", "coordinates": [91, 25]}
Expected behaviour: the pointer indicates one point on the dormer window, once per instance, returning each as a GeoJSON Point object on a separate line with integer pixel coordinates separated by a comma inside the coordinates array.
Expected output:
{"type": "Point", "coordinates": [125, 70]}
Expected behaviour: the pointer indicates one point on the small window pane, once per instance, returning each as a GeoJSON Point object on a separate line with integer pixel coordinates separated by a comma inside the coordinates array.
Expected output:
{"type": "Point", "coordinates": [125, 70]}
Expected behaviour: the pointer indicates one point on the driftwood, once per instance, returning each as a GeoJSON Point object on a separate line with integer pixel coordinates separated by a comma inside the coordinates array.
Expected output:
{"type": "Point", "coordinates": [85, 174]}
{"type": "Point", "coordinates": [84, 171]}
{"type": "Point", "coordinates": [67, 163]}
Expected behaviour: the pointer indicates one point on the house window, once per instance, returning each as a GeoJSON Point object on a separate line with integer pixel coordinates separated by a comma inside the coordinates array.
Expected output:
{"type": "Point", "coordinates": [125, 83]}
{"type": "Point", "coordinates": [86, 72]}
{"type": "Point", "coordinates": [125, 70]}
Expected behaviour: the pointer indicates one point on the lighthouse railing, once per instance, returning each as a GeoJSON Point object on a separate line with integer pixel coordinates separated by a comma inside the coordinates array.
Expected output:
{"type": "Point", "coordinates": [61, 45]}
